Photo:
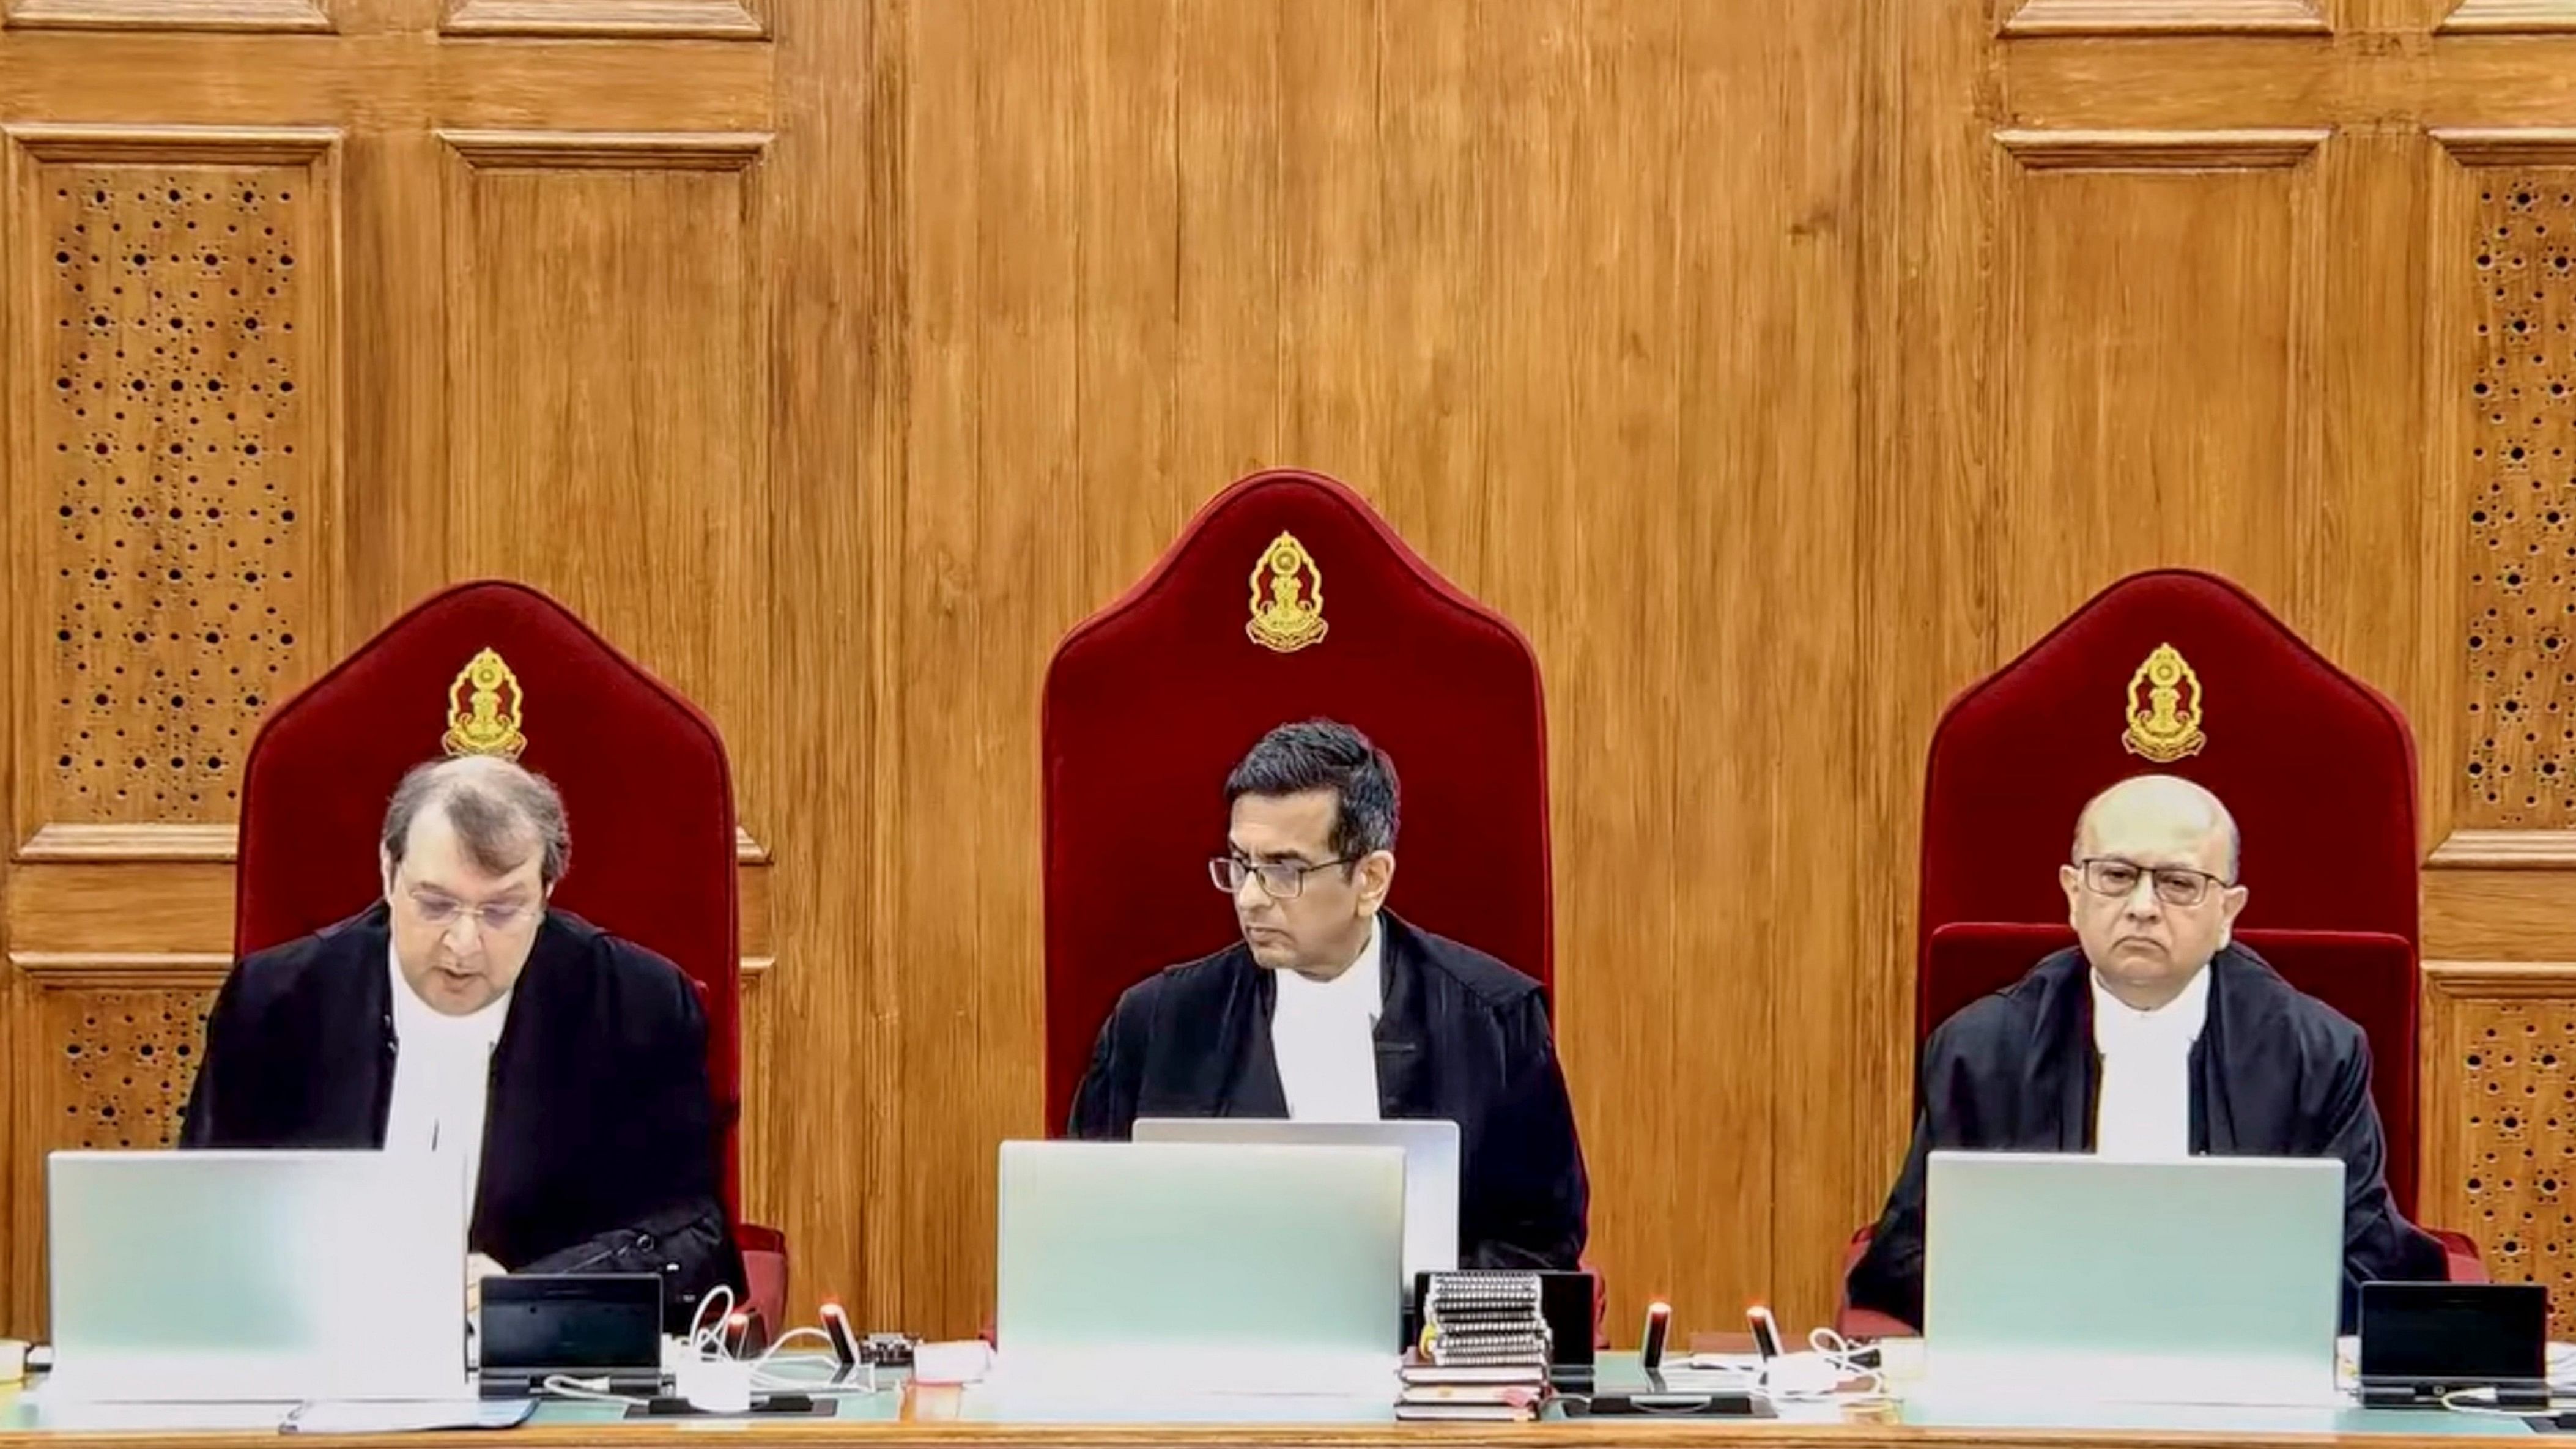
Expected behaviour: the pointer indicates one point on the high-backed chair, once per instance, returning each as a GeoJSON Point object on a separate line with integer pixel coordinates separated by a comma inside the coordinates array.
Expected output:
{"type": "Point", "coordinates": [1287, 597]}
{"type": "Point", "coordinates": [1284, 599]}
{"type": "Point", "coordinates": [2184, 672]}
{"type": "Point", "coordinates": [499, 667]}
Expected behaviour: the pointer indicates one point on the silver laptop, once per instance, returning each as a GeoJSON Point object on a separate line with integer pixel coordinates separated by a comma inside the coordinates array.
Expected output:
{"type": "Point", "coordinates": [256, 1276]}
{"type": "Point", "coordinates": [1430, 1169]}
{"type": "Point", "coordinates": [2210, 1280]}
{"type": "Point", "coordinates": [1220, 1266]}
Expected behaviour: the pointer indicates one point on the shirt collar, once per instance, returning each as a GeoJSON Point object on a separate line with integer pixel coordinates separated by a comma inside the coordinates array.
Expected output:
{"type": "Point", "coordinates": [1359, 990]}
{"type": "Point", "coordinates": [2176, 1025]}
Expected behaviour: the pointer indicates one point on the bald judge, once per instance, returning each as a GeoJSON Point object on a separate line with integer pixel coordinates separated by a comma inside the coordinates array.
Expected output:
{"type": "Point", "coordinates": [2154, 1038]}
{"type": "Point", "coordinates": [562, 1069]}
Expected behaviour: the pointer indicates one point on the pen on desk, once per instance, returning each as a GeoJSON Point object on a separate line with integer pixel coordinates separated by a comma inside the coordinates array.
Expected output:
{"type": "Point", "coordinates": [1659, 1323]}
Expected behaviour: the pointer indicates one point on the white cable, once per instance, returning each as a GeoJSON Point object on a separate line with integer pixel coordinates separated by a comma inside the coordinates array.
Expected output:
{"type": "Point", "coordinates": [2460, 1401]}
{"type": "Point", "coordinates": [595, 1390]}
{"type": "Point", "coordinates": [766, 1377]}
{"type": "Point", "coordinates": [790, 1336]}
{"type": "Point", "coordinates": [1783, 1380]}
{"type": "Point", "coordinates": [699, 1330]}
{"type": "Point", "coordinates": [2455, 1401]}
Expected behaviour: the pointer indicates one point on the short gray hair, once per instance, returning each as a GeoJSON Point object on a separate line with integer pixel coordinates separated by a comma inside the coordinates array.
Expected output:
{"type": "Point", "coordinates": [497, 807]}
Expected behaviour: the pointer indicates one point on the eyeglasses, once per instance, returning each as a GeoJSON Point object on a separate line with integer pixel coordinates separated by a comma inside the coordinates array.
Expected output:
{"type": "Point", "coordinates": [1281, 880]}
{"type": "Point", "coordinates": [2175, 885]}
{"type": "Point", "coordinates": [444, 911]}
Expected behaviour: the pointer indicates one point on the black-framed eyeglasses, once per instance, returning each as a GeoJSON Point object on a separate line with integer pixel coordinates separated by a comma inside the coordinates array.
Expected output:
{"type": "Point", "coordinates": [1281, 880]}
{"type": "Point", "coordinates": [2175, 885]}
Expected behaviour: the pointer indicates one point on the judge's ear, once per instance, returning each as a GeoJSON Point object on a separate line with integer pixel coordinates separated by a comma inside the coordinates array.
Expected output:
{"type": "Point", "coordinates": [385, 867]}
{"type": "Point", "coordinates": [2071, 880]}
{"type": "Point", "coordinates": [2231, 901]}
{"type": "Point", "coordinates": [1376, 877]}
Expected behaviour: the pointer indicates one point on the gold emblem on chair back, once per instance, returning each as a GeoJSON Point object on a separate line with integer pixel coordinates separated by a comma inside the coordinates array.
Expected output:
{"type": "Point", "coordinates": [2164, 705]}
{"type": "Point", "coordinates": [1287, 597]}
{"type": "Point", "coordinates": [484, 709]}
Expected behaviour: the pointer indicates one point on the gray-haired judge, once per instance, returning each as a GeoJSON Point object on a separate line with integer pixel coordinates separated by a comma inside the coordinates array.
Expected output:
{"type": "Point", "coordinates": [563, 1068]}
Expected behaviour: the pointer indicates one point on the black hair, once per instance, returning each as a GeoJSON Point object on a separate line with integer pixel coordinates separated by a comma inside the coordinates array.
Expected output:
{"type": "Point", "coordinates": [1323, 754]}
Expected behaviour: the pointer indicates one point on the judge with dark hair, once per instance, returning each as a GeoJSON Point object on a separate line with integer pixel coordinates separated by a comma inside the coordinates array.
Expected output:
{"type": "Point", "coordinates": [1331, 1008]}
{"type": "Point", "coordinates": [2156, 1037]}
{"type": "Point", "coordinates": [562, 1069]}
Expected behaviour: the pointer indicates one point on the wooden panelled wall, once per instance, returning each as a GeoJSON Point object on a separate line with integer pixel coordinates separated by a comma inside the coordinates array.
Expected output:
{"type": "Point", "coordinates": [1779, 365]}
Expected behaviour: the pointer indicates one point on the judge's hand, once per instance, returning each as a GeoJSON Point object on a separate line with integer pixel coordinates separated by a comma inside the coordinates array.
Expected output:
{"type": "Point", "coordinates": [477, 1268]}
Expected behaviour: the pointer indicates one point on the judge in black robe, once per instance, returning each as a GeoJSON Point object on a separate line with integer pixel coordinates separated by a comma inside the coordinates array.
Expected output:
{"type": "Point", "coordinates": [2273, 1073]}
{"type": "Point", "coordinates": [600, 1134]}
{"type": "Point", "coordinates": [1458, 1035]}
{"type": "Point", "coordinates": [1464, 1037]}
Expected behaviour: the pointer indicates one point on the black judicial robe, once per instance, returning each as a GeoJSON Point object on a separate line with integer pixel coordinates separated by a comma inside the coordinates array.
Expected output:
{"type": "Point", "coordinates": [600, 1144]}
{"type": "Point", "coordinates": [2275, 1074]}
{"type": "Point", "coordinates": [1462, 1036]}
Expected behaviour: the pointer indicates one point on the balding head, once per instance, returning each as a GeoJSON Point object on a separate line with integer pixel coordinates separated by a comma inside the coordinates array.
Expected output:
{"type": "Point", "coordinates": [2167, 805]}
{"type": "Point", "coordinates": [503, 813]}
{"type": "Point", "coordinates": [2152, 888]}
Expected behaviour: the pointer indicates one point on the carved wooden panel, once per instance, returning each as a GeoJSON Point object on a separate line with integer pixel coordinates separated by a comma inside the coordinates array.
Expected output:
{"type": "Point", "coordinates": [609, 416]}
{"type": "Point", "coordinates": [109, 1053]}
{"type": "Point", "coordinates": [169, 14]}
{"type": "Point", "coordinates": [2155, 310]}
{"type": "Point", "coordinates": [122, 1064]}
{"type": "Point", "coordinates": [2519, 577]}
{"type": "Point", "coordinates": [713, 19]}
{"type": "Point", "coordinates": [177, 455]}
{"type": "Point", "coordinates": [2164, 17]}
{"type": "Point", "coordinates": [2500, 1121]}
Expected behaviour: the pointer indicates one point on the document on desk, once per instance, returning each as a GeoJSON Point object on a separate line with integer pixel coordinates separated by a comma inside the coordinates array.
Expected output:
{"type": "Point", "coordinates": [49, 1410]}
{"type": "Point", "coordinates": [354, 1416]}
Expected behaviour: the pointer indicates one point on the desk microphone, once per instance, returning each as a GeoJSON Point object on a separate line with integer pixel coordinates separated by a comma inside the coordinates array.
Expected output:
{"type": "Point", "coordinates": [836, 1327]}
{"type": "Point", "coordinates": [1659, 1324]}
{"type": "Point", "coordinates": [1766, 1333]}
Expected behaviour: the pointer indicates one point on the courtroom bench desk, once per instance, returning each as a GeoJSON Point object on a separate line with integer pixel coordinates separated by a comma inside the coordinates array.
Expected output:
{"type": "Point", "coordinates": [929, 1419]}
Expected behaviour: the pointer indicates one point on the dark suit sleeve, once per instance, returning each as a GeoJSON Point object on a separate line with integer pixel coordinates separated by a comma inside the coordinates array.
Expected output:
{"type": "Point", "coordinates": [1888, 1278]}
{"type": "Point", "coordinates": [1535, 1212]}
{"type": "Point", "coordinates": [222, 1110]}
{"type": "Point", "coordinates": [668, 1193]}
{"type": "Point", "coordinates": [1104, 1106]}
{"type": "Point", "coordinates": [2378, 1242]}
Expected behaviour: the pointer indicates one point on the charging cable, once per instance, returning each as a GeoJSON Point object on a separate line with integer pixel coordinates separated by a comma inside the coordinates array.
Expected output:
{"type": "Point", "coordinates": [703, 1332]}
{"type": "Point", "coordinates": [765, 1377]}
{"type": "Point", "coordinates": [1830, 1362]}
{"type": "Point", "coordinates": [565, 1386]}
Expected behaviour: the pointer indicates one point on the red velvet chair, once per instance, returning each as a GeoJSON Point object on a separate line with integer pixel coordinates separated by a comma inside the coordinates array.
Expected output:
{"type": "Point", "coordinates": [2317, 767]}
{"type": "Point", "coordinates": [643, 775]}
{"type": "Point", "coordinates": [1150, 702]}
{"type": "Point", "coordinates": [1287, 597]}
